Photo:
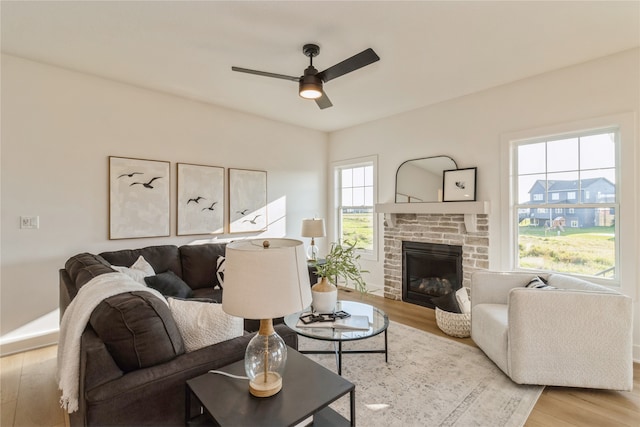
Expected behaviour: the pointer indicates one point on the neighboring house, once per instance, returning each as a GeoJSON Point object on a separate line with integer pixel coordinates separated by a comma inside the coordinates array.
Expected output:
{"type": "Point", "coordinates": [587, 191]}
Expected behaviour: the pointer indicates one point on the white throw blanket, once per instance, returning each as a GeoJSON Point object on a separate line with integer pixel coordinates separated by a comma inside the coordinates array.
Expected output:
{"type": "Point", "coordinates": [74, 322]}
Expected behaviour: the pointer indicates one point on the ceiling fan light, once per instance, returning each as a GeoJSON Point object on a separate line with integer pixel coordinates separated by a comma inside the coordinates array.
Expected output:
{"type": "Point", "coordinates": [310, 87]}
{"type": "Point", "coordinates": [310, 93]}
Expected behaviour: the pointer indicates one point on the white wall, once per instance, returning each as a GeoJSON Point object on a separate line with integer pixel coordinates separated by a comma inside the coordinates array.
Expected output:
{"type": "Point", "coordinates": [470, 128]}
{"type": "Point", "coordinates": [58, 129]}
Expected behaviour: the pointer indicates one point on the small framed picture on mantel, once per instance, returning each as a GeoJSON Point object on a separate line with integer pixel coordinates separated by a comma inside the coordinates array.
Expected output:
{"type": "Point", "coordinates": [459, 185]}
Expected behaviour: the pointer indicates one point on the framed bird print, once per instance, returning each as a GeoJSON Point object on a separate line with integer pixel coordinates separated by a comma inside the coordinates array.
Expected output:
{"type": "Point", "coordinates": [139, 198]}
{"type": "Point", "coordinates": [247, 201]}
{"type": "Point", "coordinates": [200, 202]}
{"type": "Point", "coordinates": [459, 185]}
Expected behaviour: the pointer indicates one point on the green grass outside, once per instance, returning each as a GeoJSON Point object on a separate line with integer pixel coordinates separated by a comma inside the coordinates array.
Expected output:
{"type": "Point", "coordinates": [585, 251]}
{"type": "Point", "coordinates": [358, 227]}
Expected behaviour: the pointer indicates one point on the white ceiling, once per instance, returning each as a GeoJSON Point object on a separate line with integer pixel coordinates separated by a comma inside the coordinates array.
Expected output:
{"type": "Point", "coordinates": [430, 51]}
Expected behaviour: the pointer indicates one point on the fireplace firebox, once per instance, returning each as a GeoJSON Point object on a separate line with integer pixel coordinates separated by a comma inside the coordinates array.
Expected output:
{"type": "Point", "coordinates": [430, 270]}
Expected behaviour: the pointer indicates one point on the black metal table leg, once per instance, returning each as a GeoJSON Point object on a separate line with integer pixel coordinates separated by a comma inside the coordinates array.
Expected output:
{"type": "Point", "coordinates": [352, 398]}
{"type": "Point", "coordinates": [386, 352]}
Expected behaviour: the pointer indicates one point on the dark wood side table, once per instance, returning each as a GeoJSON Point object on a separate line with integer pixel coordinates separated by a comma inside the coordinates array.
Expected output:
{"type": "Point", "coordinates": [307, 390]}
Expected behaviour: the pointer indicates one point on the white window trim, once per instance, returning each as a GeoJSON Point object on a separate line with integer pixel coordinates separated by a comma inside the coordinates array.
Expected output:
{"type": "Point", "coordinates": [627, 246]}
{"type": "Point", "coordinates": [334, 197]}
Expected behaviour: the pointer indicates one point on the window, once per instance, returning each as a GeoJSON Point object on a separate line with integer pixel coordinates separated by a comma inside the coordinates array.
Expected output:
{"type": "Point", "coordinates": [355, 183]}
{"type": "Point", "coordinates": [572, 166]}
{"type": "Point", "coordinates": [538, 197]}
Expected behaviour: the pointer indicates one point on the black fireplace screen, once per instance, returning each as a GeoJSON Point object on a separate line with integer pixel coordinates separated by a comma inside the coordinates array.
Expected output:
{"type": "Point", "coordinates": [430, 270]}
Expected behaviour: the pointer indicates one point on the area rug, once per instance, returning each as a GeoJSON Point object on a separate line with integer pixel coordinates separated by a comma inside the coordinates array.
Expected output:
{"type": "Point", "coordinates": [428, 381]}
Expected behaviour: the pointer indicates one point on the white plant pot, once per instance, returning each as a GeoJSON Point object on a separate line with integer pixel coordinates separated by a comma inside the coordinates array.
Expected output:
{"type": "Point", "coordinates": [324, 302]}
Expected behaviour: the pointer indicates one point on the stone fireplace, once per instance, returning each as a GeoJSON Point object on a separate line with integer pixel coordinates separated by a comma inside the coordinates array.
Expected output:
{"type": "Point", "coordinates": [434, 228]}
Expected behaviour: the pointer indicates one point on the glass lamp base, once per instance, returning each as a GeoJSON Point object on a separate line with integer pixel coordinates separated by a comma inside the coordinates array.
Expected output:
{"type": "Point", "coordinates": [312, 253]}
{"type": "Point", "coordinates": [266, 352]}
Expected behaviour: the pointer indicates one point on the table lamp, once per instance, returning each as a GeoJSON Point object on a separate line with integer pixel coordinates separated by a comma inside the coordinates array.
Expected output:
{"type": "Point", "coordinates": [313, 228]}
{"type": "Point", "coordinates": [265, 279]}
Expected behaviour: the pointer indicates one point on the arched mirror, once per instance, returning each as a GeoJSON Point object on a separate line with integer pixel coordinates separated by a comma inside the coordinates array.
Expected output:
{"type": "Point", "coordinates": [420, 180]}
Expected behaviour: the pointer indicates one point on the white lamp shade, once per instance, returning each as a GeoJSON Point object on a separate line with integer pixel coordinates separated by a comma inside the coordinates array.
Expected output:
{"type": "Point", "coordinates": [313, 228]}
{"type": "Point", "coordinates": [264, 283]}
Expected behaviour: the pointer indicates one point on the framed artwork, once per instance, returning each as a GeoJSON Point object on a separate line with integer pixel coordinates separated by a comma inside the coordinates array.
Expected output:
{"type": "Point", "coordinates": [247, 201]}
{"type": "Point", "coordinates": [139, 204]}
{"type": "Point", "coordinates": [459, 185]}
{"type": "Point", "coordinates": [200, 203]}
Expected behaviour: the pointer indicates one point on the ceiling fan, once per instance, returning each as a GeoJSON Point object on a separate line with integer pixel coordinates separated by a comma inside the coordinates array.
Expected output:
{"type": "Point", "coordinates": [310, 83]}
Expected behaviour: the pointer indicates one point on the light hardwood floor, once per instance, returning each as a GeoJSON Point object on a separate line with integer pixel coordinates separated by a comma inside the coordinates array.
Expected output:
{"type": "Point", "coordinates": [30, 396]}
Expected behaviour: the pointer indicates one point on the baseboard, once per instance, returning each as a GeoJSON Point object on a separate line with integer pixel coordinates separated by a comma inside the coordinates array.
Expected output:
{"type": "Point", "coordinates": [28, 343]}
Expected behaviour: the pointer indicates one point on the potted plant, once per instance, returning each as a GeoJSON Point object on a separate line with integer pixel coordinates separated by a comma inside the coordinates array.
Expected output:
{"type": "Point", "coordinates": [341, 261]}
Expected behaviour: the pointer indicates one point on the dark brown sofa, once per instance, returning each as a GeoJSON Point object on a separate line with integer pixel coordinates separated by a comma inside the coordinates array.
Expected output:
{"type": "Point", "coordinates": [133, 366]}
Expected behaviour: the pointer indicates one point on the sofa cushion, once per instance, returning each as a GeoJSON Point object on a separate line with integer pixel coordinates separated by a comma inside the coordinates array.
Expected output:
{"type": "Point", "coordinates": [84, 267]}
{"type": "Point", "coordinates": [161, 258]}
{"type": "Point", "coordinates": [137, 329]}
{"type": "Point", "coordinates": [199, 264]}
{"type": "Point", "coordinates": [169, 284]}
{"type": "Point", "coordinates": [208, 293]}
{"type": "Point", "coordinates": [203, 323]}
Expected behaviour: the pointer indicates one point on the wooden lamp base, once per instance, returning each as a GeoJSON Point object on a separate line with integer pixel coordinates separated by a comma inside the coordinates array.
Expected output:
{"type": "Point", "coordinates": [261, 388]}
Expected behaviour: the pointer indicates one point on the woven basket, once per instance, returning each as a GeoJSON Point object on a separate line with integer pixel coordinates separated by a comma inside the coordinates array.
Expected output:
{"type": "Point", "coordinates": [455, 324]}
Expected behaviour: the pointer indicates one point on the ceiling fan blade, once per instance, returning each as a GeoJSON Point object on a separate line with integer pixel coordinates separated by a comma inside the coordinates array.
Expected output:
{"type": "Point", "coordinates": [357, 61]}
{"type": "Point", "coordinates": [324, 102]}
{"type": "Point", "coordinates": [265, 74]}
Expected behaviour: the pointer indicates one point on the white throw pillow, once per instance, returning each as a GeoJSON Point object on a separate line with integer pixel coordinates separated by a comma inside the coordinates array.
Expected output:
{"type": "Point", "coordinates": [463, 300]}
{"type": "Point", "coordinates": [204, 323]}
{"type": "Point", "coordinates": [138, 271]}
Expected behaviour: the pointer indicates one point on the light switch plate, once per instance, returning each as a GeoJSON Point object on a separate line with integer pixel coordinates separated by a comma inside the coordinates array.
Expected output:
{"type": "Point", "coordinates": [32, 222]}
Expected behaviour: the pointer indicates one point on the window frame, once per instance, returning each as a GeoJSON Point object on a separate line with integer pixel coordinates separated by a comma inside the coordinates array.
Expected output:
{"type": "Point", "coordinates": [336, 185]}
{"type": "Point", "coordinates": [627, 188]}
{"type": "Point", "coordinates": [547, 206]}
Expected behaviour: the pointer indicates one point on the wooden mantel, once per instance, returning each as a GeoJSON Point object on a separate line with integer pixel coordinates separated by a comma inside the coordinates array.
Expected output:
{"type": "Point", "coordinates": [469, 209]}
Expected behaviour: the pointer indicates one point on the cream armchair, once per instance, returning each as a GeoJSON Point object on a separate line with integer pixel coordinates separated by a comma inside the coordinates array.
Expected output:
{"type": "Point", "coordinates": [578, 335]}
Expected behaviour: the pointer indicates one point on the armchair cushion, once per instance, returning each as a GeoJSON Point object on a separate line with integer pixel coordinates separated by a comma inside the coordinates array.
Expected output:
{"type": "Point", "coordinates": [490, 332]}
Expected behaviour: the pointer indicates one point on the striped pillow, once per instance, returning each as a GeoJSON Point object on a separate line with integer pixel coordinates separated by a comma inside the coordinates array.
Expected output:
{"type": "Point", "coordinates": [539, 283]}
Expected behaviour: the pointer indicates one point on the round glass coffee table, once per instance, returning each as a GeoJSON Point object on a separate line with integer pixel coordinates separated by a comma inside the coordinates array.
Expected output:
{"type": "Point", "coordinates": [378, 323]}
